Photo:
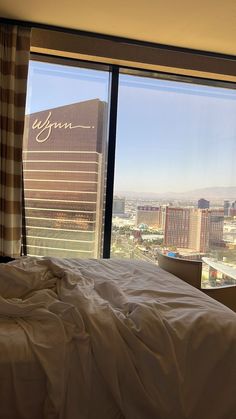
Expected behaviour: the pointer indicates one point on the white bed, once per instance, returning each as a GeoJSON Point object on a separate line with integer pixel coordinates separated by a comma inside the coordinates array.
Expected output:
{"type": "Point", "coordinates": [110, 339]}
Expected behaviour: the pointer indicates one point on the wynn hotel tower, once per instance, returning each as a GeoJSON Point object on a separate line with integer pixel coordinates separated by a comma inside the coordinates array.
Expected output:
{"type": "Point", "coordinates": [64, 180]}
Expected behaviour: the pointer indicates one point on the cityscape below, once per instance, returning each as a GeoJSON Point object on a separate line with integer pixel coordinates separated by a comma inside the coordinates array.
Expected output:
{"type": "Point", "coordinates": [196, 230]}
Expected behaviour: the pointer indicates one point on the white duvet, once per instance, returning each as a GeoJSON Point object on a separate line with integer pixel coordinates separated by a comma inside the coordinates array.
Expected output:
{"type": "Point", "coordinates": [109, 339]}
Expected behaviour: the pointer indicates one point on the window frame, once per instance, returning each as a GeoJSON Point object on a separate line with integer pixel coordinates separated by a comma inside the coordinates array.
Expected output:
{"type": "Point", "coordinates": [139, 59]}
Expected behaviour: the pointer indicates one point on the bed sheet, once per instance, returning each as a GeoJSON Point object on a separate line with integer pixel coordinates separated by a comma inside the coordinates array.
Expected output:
{"type": "Point", "coordinates": [113, 339]}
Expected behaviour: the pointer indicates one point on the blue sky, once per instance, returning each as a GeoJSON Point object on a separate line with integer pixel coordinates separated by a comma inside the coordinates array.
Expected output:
{"type": "Point", "coordinates": [171, 136]}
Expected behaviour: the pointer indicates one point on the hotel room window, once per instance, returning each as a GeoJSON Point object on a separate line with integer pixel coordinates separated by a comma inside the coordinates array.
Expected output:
{"type": "Point", "coordinates": [64, 155]}
{"type": "Point", "coordinates": [174, 188]}
{"type": "Point", "coordinates": [175, 185]}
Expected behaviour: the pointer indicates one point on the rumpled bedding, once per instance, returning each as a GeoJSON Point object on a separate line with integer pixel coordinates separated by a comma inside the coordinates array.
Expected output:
{"type": "Point", "coordinates": [111, 339]}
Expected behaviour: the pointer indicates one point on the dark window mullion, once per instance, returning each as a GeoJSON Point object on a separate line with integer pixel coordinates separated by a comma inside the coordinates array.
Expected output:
{"type": "Point", "coordinates": [23, 229]}
{"type": "Point", "coordinates": [111, 161]}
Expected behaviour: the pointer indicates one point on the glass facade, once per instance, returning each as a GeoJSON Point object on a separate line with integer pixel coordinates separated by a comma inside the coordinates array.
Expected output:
{"type": "Point", "coordinates": [64, 160]}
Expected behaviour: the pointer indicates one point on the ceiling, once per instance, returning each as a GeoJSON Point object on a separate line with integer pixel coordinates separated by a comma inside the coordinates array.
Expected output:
{"type": "Point", "coordinates": [208, 25]}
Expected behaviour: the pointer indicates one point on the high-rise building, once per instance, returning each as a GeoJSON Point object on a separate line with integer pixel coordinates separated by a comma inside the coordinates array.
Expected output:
{"type": "Point", "coordinates": [232, 210]}
{"type": "Point", "coordinates": [199, 230]}
{"type": "Point", "coordinates": [118, 206]}
{"type": "Point", "coordinates": [216, 227]}
{"type": "Point", "coordinates": [162, 217]}
{"type": "Point", "coordinates": [149, 215]}
{"type": "Point", "coordinates": [195, 229]}
{"type": "Point", "coordinates": [203, 203]}
{"type": "Point", "coordinates": [177, 227]}
{"type": "Point", "coordinates": [226, 208]}
{"type": "Point", "coordinates": [233, 205]}
{"type": "Point", "coordinates": [63, 180]}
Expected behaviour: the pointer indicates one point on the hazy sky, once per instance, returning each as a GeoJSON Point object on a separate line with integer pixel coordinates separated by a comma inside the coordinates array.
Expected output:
{"type": "Point", "coordinates": [171, 136]}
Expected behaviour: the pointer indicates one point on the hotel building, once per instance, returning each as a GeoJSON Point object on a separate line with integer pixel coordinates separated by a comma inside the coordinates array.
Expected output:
{"type": "Point", "coordinates": [198, 235]}
{"type": "Point", "coordinates": [118, 206]}
{"type": "Point", "coordinates": [195, 229]}
{"type": "Point", "coordinates": [148, 215]}
{"type": "Point", "coordinates": [216, 227]}
{"type": "Point", "coordinates": [176, 227]}
{"type": "Point", "coordinates": [203, 203]}
{"type": "Point", "coordinates": [64, 180]}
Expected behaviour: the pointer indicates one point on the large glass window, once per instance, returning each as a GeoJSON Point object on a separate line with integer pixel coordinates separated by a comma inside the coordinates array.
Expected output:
{"type": "Point", "coordinates": [175, 184]}
{"type": "Point", "coordinates": [64, 159]}
{"type": "Point", "coordinates": [174, 189]}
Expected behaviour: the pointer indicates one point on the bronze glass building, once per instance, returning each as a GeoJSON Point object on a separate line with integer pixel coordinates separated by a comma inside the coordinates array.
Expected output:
{"type": "Point", "coordinates": [64, 180]}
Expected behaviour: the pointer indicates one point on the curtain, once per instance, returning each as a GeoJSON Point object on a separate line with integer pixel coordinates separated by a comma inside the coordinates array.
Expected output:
{"type": "Point", "coordinates": [14, 58]}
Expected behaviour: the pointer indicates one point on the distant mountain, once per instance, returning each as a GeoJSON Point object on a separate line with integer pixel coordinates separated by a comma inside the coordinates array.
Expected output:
{"type": "Point", "coordinates": [214, 193]}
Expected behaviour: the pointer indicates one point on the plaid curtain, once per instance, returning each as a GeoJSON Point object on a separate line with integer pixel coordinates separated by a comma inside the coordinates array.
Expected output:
{"type": "Point", "coordinates": [14, 57]}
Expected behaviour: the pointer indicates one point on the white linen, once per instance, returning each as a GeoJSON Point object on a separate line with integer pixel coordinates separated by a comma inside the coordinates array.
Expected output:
{"type": "Point", "coordinates": [117, 339]}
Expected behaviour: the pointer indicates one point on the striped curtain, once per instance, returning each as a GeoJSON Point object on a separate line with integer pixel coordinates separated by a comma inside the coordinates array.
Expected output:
{"type": "Point", "coordinates": [14, 57]}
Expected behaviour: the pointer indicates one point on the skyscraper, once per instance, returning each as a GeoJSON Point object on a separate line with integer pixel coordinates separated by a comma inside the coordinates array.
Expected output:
{"type": "Point", "coordinates": [233, 205]}
{"type": "Point", "coordinates": [177, 227]}
{"type": "Point", "coordinates": [203, 203]}
{"type": "Point", "coordinates": [63, 177]}
{"type": "Point", "coordinates": [226, 208]}
{"type": "Point", "coordinates": [149, 215]}
{"type": "Point", "coordinates": [118, 205]}
{"type": "Point", "coordinates": [195, 229]}
{"type": "Point", "coordinates": [232, 210]}
{"type": "Point", "coordinates": [199, 230]}
{"type": "Point", "coordinates": [216, 227]}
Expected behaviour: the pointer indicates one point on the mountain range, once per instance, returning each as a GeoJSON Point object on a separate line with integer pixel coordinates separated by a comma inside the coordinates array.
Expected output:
{"type": "Point", "coordinates": [210, 193]}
